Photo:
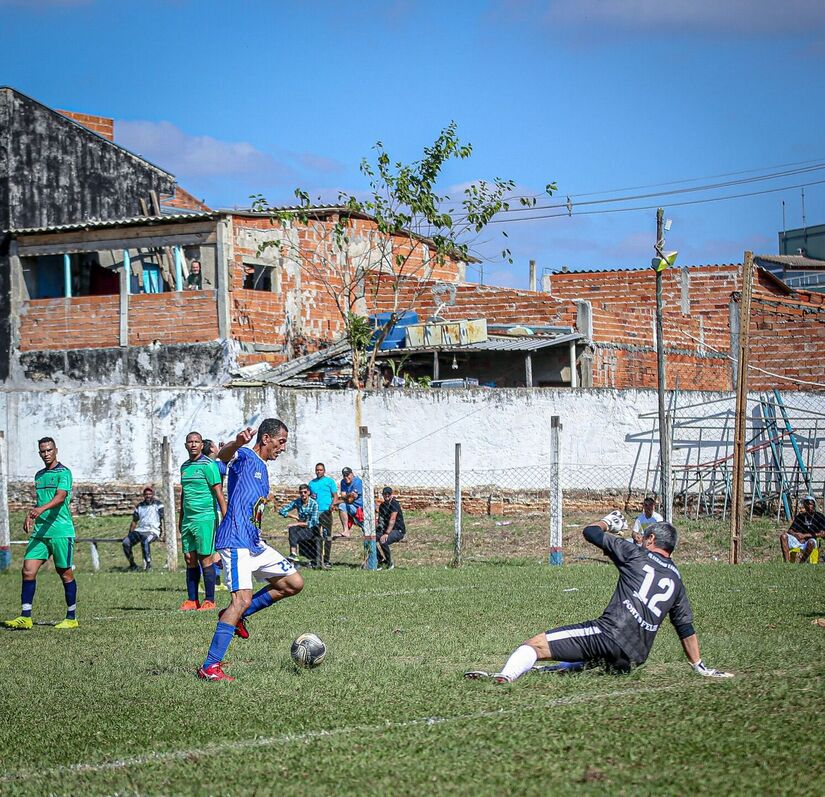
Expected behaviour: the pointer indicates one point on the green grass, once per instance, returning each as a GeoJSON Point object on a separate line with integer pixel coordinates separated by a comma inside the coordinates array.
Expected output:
{"type": "Point", "coordinates": [388, 712]}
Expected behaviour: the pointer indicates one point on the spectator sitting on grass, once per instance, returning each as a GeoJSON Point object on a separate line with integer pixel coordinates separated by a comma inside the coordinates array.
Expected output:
{"type": "Point", "coordinates": [306, 528]}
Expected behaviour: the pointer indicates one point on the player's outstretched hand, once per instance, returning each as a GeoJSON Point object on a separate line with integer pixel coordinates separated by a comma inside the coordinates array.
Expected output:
{"type": "Point", "coordinates": [244, 436]}
{"type": "Point", "coordinates": [615, 521]}
{"type": "Point", "coordinates": [709, 672]}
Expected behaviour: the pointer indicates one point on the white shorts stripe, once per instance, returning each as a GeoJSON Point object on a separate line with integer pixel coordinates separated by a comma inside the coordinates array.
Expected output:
{"type": "Point", "coordinates": [572, 633]}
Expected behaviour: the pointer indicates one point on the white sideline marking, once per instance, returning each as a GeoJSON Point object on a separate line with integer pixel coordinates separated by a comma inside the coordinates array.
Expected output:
{"type": "Point", "coordinates": [292, 738]}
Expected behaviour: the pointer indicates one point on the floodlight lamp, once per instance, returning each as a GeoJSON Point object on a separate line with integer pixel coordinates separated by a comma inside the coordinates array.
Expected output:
{"type": "Point", "coordinates": [668, 224]}
{"type": "Point", "coordinates": [662, 263]}
{"type": "Point", "coordinates": [454, 366]}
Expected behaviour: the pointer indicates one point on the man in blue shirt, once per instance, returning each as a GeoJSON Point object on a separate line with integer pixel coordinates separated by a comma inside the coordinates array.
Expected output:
{"type": "Point", "coordinates": [351, 506]}
{"type": "Point", "coordinates": [325, 491]}
{"type": "Point", "coordinates": [239, 543]}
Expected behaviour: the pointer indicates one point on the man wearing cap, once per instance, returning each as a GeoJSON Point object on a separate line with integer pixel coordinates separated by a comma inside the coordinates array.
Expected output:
{"type": "Point", "coordinates": [351, 501]}
{"type": "Point", "coordinates": [802, 535]}
{"type": "Point", "coordinates": [390, 527]}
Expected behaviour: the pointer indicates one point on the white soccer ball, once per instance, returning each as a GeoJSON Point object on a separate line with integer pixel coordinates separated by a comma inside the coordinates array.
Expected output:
{"type": "Point", "coordinates": [308, 650]}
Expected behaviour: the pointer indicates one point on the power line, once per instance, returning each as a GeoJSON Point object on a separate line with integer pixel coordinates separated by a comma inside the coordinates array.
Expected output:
{"type": "Point", "coordinates": [651, 207]}
{"type": "Point", "coordinates": [819, 161]}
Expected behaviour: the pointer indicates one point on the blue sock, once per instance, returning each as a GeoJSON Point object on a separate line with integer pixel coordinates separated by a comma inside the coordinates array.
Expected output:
{"type": "Point", "coordinates": [70, 591]}
{"type": "Point", "coordinates": [260, 600]}
{"type": "Point", "coordinates": [27, 597]}
{"type": "Point", "coordinates": [193, 579]}
{"type": "Point", "coordinates": [220, 643]}
{"type": "Point", "coordinates": [209, 582]}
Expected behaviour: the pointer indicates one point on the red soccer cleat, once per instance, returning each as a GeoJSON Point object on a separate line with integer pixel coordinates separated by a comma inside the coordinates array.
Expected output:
{"type": "Point", "coordinates": [189, 606]}
{"type": "Point", "coordinates": [214, 672]}
{"type": "Point", "coordinates": [240, 629]}
{"type": "Point", "coordinates": [207, 606]}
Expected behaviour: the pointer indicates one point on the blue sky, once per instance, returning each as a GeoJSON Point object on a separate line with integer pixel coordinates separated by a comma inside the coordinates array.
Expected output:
{"type": "Point", "coordinates": [262, 97]}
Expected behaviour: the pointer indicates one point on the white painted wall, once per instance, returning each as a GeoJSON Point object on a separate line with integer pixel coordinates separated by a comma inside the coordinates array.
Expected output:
{"type": "Point", "coordinates": [114, 435]}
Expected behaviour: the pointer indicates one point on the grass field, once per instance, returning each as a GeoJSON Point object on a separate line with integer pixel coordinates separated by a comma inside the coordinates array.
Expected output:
{"type": "Point", "coordinates": [114, 708]}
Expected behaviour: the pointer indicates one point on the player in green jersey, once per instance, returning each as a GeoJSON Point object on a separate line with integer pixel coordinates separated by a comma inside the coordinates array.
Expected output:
{"type": "Point", "coordinates": [201, 497]}
{"type": "Point", "coordinates": [50, 524]}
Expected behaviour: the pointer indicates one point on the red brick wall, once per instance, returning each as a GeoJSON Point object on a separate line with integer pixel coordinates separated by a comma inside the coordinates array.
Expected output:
{"type": "Point", "coordinates": [93, 322]}
{"type": "Point", "coordinates": [787, 338]}
{"type": "Point", "coordinates": [497, 305]}
{"type": "Point", "coordinates": [99, 124]}
{"type": "Point", "coordinates": [183, 199]}
{"type": "Point", "coordinates": [188, 317]}
{"type": "Point", "coordinates": [84, 322]}
{"type": "Point", "coordinates": [697, 342]}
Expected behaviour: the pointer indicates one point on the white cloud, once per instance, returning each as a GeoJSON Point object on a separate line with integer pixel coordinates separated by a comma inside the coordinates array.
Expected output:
{"type": "Point", "coordinates": [191, 157]}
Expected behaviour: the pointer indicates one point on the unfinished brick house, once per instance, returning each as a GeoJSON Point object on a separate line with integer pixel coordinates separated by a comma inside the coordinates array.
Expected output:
{"type": "Point", "coordinates": [95, 261]}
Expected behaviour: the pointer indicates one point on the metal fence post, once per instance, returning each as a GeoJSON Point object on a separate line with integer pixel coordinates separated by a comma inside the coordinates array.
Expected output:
{"type": "Point", "coordinates": [457, 511]}
{"type": "Point", "coordinates": [5, 528]}
{"type": "Point", "coordinates": [556, 552]}
{"type": "Point", "coordinates": [170, 520]}
{"type": "Point", "coordinates": [370, 552]}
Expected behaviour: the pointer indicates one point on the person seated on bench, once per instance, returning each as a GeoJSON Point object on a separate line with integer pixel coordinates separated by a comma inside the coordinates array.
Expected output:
{"type": "Point", "coordinates": [350, 502]}
{"type": "Point", "coordinates": [306, 531]}
{"type": "Point", "coordinates": [145, 528]}
{"type": "Point", "coordinates": [390, 527]}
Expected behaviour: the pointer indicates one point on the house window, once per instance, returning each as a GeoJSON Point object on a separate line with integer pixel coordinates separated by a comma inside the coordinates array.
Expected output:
{"type": "Point", "coordinates": [259, 276]}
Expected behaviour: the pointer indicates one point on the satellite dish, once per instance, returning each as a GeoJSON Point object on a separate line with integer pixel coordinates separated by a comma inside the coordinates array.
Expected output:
{"type": "Point", "coordinates": [443, 296]}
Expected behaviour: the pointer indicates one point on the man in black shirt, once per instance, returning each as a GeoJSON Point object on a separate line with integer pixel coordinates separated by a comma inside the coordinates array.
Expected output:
{"type": "Point", "coordinates": [390, 527]}
{"type": "Point", "coordinates": [649, 588]}
{"type": "Point", "coordinates": [801, 536]}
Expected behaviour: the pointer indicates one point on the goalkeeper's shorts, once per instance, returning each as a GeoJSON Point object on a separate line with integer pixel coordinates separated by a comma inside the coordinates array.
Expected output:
{"type": "Point", "coordinates": [587, 642]}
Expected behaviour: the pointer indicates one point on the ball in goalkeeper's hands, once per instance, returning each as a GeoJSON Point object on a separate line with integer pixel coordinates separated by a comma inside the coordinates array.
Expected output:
{"type": "Point", "coordinates": [350, 497]}
{"type": "Point", "coordinates": [615, 522]}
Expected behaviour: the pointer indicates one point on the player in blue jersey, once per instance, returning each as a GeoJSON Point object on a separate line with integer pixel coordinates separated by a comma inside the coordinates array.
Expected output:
{"type": "Point", "coordinates": [239, 543]}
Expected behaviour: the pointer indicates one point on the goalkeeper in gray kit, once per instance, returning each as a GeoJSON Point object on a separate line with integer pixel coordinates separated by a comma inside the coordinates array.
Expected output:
{"type": "Point", "coordinates": [649, 589]}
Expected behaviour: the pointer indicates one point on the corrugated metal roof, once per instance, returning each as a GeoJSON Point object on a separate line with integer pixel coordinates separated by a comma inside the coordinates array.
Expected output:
{"type": "Point", "coordinates": [494, 343]}
{"type": "Point", "coordinates": [791, 261]}
{"type": "Point", "coordinates": [131, 221]}
{"type": "Point", "coordinates": [555, 273]}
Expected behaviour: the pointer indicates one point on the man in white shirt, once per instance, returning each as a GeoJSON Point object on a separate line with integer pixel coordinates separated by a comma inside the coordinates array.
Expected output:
{"type": "Point", "coordinates": [648, 516]}
{"type": "Point", "coordinates": [146, 527]}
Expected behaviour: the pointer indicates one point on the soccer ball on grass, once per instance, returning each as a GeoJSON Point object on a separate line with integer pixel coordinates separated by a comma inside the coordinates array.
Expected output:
{"type": "Point", "coordinates": [308, 650]}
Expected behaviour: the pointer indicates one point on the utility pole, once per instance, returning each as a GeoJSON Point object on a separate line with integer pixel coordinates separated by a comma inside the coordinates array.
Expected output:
{"type": "Point", "coordinates": [664, 427]}
{"type": "Point", "coordinates": [737, 514]}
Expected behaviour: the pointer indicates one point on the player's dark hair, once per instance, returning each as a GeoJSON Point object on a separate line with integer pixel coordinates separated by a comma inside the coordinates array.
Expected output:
{"type": "Point", "coordinates": [321, 464]}
{"type": "Point", "coordinates": [303, 487]}
{"type": "Point", "coordinates": [46, 440]}
{"type": "Point", "coordinates": [665, 534]}
{"type": "Point", "coordinates": [189, 434]}
{"type": "Point", "coordinates": [270, 426]}
{"type": "Point", "coordinates": [208, 445]}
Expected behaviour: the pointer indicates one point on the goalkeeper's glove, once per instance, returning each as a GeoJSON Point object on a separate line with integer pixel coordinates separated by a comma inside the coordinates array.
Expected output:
{"type": "Point", "coordinates": [709, 672]}
{"type": "Point", "coordinates": [615, 521]}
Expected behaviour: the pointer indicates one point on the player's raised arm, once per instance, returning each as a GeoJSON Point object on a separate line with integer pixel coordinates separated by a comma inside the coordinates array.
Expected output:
{"type": "Point", "coordinates": [243, 437]}
{"type": "Point", "coordinates": [614, 523]}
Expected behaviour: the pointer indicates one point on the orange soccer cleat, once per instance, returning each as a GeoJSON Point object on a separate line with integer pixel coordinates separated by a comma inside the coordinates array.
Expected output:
{"type": "Point", "coordinates": [189, 606]}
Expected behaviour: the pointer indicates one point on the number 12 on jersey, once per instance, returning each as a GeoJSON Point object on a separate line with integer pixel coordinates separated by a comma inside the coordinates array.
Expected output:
{"type": "Point", "coordinates": [666, 585]}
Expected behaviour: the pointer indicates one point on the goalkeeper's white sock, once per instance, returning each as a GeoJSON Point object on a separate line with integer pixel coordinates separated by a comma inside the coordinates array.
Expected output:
{"type": "Point", "coordinates": [520, 661]}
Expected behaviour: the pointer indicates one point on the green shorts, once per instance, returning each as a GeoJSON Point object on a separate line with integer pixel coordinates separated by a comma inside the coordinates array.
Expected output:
{"type": "Point", "coordinates": [61, 549]}
{"type": "Point", "coordinates": [198, 534]}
